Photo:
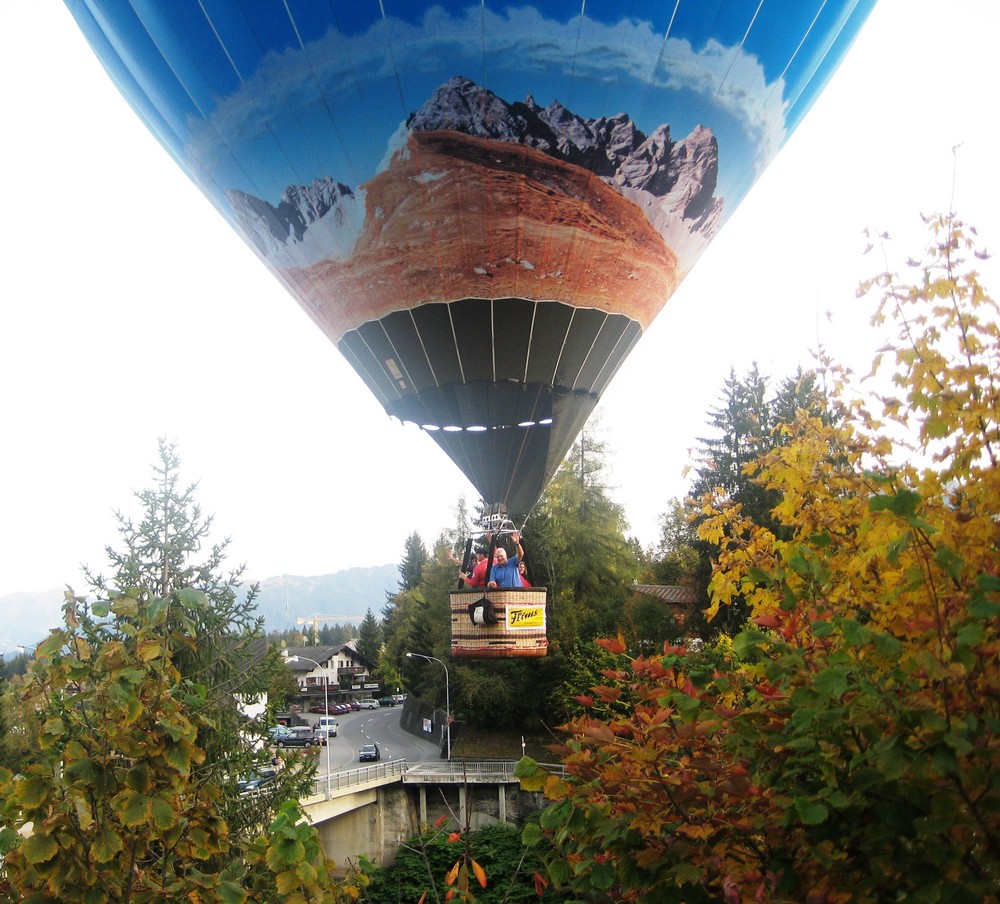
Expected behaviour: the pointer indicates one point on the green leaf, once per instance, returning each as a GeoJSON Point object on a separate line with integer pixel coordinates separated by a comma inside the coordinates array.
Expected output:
{"type": "Point", "coordinates": [988, 583]}
{"type": "Point", "coordinates": [531, 775]}
{"type": "Point", "coordinates": [284, 853]}
{"type": "Point", "coordinates": [983, 608]}
{"type": "Point", "coordinates": [810, 812]}
{"type": "Point", "coordinates": [191, 598]}
{"type": "Point", "coordinates": [602, 876]}
{"type": "Point", "coordinates": [970, 634]}
{"type": "Point", "coordinates": [52, 645]}
{"type": "Point", "coordinates": [179, 757]}
{"type": "Point", "coordinates": [231, 893]}
{"type": "Point", "coordinates": [903, 503]}
{"type": "Point", "coordinates": [136, 809]}
{"type": "Point", "coordinates": [106, 845]}
{"type": "Point", "coordinates": [139, 777]}
{"type": "Point", "coordinates": [164, 816]}
{"type": "Point", "coordinates": [748, 640]}
{"type": "Point", "coordinates": [759, 576]}
{"type": "Point", "coordinates": [39, 848]}
{"type": "Point", "coordinates": [950, 562]}
{"type": "Point", "coordinates": [30, 792]}
{"type": "Point", "coordinates": [833, 681]}
{"type": "Point", "coordinates": [127, 606]}
{"type": "Point", "coordinates": [8, 840]}
{"type": "Point", "coordinates": [531, 834]}
{"type": "Point", "coordinates": [822, 628]}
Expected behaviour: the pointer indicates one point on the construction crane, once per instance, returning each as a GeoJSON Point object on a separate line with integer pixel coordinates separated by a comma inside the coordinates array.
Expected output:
{"type": "Point", "coordinates": [314, 620]}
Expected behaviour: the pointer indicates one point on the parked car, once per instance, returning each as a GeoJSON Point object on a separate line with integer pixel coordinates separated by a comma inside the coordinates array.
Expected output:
{"type": "Point", "coordinates": [327, 726]}
{"type": "Point", "coordinates": [342, 708]}
{"type": "Point", "coordinates": [280, 736]}
{"type": "Point", "coordinates": [386, 701]}
{"type": "Point", "coordinates": [320, 708]}
{"type": "Point", "coordinates": [317, 737]}
{"type": "Point", "coordinates": [355, 706]}
{"type": "Point", "coordinates": [256, 780]}
{"type": "Point", "coordinates": [368, 703]}
{"type": "Point", "coordinates": [369, 752]}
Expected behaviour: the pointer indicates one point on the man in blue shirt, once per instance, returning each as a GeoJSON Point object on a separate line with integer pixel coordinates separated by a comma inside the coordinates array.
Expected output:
{"type": "Point", "coordinates": [504, 572]}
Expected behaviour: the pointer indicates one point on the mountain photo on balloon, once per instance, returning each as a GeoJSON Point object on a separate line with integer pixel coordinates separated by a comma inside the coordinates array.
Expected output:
{"type": "Point", "coordinates": [518, 201]}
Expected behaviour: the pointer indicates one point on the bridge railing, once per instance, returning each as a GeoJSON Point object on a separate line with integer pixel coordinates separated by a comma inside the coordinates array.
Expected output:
{"type": "Point", "coordinates": [473, 771]}
{"type": "Point", "coordinates": [364, 775]}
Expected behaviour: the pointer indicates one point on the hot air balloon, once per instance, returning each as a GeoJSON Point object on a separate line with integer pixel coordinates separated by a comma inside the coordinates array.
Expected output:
{"type": "Point", "coordinates": [482, 205]}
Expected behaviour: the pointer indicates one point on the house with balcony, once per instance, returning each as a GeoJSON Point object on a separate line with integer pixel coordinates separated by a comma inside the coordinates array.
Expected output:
{"type": "Point", "coordinates": [343, 673]}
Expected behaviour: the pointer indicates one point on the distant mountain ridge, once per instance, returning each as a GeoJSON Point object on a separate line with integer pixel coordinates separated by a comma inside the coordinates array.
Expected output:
{"type": "Point", "coordinates": [673, 182]}
{"type": "Point", "coordinates": [27, 618]}
{"type": "Point", "coordinates": [349, 594]}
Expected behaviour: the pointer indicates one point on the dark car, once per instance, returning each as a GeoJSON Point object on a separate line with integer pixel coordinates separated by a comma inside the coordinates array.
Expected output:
{"type": "Point", "coordinates": [280, 736]}
{"type": "Point", "coordinates": [368, 753]}
{"type": "Point", "coordinates": [386, 701]}
{"type": "Point", "coordinates": [257, 780]}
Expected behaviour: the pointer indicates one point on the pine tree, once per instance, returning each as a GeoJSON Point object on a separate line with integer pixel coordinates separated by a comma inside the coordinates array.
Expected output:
{"type": "Point", "coordinates": [370, 637]}
{"type": "Point", "coordinates": [168, 550]}
{"type": "Point", "coordinates": [411, 568]}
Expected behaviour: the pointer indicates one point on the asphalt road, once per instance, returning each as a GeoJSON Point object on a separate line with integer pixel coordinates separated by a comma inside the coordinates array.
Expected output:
{"type": "Point", "coordinates": [366, 726]}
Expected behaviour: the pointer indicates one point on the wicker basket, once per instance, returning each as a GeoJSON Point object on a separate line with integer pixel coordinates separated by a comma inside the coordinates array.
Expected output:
{"type": "Point", "coordinates": [520, 628]}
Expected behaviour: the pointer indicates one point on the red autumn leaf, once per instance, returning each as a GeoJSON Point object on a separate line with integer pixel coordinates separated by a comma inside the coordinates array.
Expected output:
{"type": "Point", "coordinates": [455, 836]}
{"type": "Point", "coordinates": [767, 620]}
{"type": "Point", "coordinates": [584, 700]}
{"type": "Point", "coordinates": [541, 883]}
{"type": "Point", "coordinates": [480, 873]}
{"type": "Point", "coordinates": [615, 645]}
{"type": "Point", "coordinates": [440, 821]}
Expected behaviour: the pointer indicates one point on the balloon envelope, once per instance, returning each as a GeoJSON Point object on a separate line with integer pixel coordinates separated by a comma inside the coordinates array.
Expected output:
{"type": "Point", "coordinates": [483, 206]}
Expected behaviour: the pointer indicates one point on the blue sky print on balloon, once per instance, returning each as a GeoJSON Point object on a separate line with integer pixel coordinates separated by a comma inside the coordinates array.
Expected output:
{"type": "Point", "coordinates": [325, 96]}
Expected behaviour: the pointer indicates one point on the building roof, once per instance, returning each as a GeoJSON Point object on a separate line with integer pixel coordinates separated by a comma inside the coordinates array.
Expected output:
{"type": "Point", "coordinates": [320, 655]}
{"type": "Point", "coordinates": [669, 593]}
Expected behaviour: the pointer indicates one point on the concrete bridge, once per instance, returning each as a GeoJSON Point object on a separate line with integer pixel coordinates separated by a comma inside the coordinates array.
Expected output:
{"type": "Point", "coordinates": [372, 809]}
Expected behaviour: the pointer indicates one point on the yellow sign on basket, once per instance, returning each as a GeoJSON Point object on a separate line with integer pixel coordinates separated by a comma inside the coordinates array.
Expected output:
{"type": "Point", "coordinates": [520, 618]}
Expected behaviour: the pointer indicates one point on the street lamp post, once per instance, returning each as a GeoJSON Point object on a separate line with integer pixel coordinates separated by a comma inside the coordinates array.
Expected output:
{"type": "Point", "coordinates": [447, 695]}
{"type": "Point", "coordinates": [326, 701]}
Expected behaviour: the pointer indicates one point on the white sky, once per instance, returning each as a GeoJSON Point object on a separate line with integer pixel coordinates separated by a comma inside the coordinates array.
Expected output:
{"type": "Point", "coordinates": [131, 311]}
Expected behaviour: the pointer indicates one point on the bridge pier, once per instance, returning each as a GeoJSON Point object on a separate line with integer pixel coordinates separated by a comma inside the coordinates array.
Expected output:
{"type": "Point", "coordinates": [374, 809]}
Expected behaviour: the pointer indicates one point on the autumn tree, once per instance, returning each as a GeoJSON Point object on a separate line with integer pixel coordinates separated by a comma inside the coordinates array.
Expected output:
{"type": "Point", "coordinates": [116, 804]}
{"type": "Point", "coordinates": [748, 423]}
{"type": "Point", "coordinates": [844, 746]}
{"type": "Point", "coordinates": [130, 793]}
{"type": "Point", "coordinates": [170, 547]}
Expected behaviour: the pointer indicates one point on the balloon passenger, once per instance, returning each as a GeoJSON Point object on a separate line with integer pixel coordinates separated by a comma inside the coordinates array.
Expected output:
{"type": "Point", "coordinates": [504, 572]}
{"type": "Point", "coordinates": [522, 569]}
{"type": "Point", "coordinates": [477, 576]}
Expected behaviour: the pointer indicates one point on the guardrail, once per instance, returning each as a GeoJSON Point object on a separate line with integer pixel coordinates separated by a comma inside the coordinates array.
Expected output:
{"type": "Point", "coordinates": [364, 775]}
{"type": "Point", "coordinates": [473, 771]}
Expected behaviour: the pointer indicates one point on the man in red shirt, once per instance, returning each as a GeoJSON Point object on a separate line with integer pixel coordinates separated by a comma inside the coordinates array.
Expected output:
{"type": "Point", "coordinates": [477, 577]}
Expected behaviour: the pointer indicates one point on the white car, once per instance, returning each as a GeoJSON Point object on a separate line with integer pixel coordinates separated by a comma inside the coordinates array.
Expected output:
{"type": "Point", "coordinates": [368, 703]}
{"type": "Point", "coordinates": [327, 726]}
